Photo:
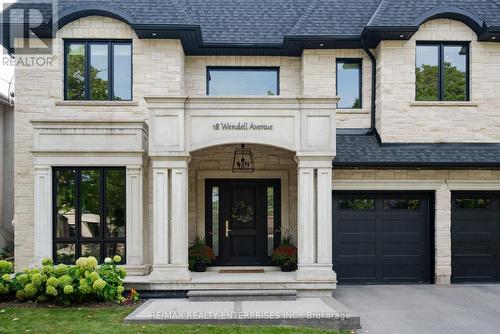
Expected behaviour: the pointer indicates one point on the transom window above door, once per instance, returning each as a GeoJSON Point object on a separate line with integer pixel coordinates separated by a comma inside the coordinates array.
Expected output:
{"type": "Point", "coordinates": [243, 81]}
{"type": "Point", "coordinates": [442, 71]}
{"type": "Point", "coordinates": [98, 70]}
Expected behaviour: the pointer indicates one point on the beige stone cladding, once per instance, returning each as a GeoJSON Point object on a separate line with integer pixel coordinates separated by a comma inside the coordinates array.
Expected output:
{"type": "Point", "coordinates": [158, 69]}
{"type": "Point", "coordinates": [441, 182]}
{"type": "Point", "coordinates": [217, 162]}
{"type": "Point", "coordinates": [319, 78]}
{"type": "Point", "coordinates": [402, 119]}
{"type": "Point", "coordinates": [313, 74]}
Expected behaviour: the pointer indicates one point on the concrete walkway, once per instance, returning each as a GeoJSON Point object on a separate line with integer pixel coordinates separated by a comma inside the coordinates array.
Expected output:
{"type": "Point", "coordinates": [322, 312]}
{"type": "Point", "coordinates": [429, 309]}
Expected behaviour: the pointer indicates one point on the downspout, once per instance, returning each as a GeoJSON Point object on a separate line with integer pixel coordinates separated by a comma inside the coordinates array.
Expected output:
{"type": "Point", "coordinates": [373, 121]}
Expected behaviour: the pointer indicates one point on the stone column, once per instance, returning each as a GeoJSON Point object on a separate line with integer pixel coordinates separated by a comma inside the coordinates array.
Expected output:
{"type": "Point", "coordinates": [179, 223]}
{"type": "Point", "coordinates": [135, 215]}
{"type": "Point", "coordinates": [324, 231]}
{"type": "Point", "coordinates": [42, 214]}
{"type": "Point", "coordinates": [306, 224]}
{"type": "Point", "coordinates": [314, 225]}
{"type": "Point", "coordinates": [170, 221]}
{"type": "Point", "coordinates": [443, 235]}
{"type": "Point", "coordinates": [160, 220]}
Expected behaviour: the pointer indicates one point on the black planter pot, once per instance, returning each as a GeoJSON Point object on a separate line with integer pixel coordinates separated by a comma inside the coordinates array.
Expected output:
{"type": "Point", "coordinates": [200, 267]}
{"type": "Point", "coordinates": [288, 267]}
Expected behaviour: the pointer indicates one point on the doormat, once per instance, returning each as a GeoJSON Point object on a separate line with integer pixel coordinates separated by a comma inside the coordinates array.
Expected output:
{"type": "Point", "coordinates": [241, 271]}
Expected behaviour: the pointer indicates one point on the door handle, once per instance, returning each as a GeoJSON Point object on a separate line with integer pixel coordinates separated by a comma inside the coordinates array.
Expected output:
{"type": "Point", "coordinates": [227, 229]}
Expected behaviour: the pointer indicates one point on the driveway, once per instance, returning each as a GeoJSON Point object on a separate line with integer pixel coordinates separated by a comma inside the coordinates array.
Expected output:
{"type": "Point", "coordinates": [424, 309]}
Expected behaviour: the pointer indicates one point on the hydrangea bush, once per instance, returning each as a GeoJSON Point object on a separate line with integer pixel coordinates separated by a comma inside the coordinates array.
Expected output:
{"type": "Point", "coordinates": [6, 268]}
{"type": "Point", "coordinates": [84, 281]}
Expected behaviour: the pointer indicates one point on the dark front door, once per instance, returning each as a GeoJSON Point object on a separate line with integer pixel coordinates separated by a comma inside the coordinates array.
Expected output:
{"type": "Point", "coordinates": [242, 220]}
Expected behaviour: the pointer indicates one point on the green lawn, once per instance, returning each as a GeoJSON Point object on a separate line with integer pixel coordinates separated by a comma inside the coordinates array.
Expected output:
{"type": "Point", "coordinates": [107, 320]}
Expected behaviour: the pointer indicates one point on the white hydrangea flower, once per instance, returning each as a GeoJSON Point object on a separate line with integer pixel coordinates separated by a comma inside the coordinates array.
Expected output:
{"type": "Point", "coordinates": [108, 260]}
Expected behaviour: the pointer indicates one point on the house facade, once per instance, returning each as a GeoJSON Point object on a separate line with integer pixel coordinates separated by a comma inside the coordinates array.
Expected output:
{"type": "Point", "coordinates": [366, 132]}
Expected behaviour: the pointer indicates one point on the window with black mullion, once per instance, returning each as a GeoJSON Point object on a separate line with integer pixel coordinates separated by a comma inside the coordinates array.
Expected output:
{"type": "Point", "coordinates": [89, 213]}
{"type": "Point", "coordinates": [442, 71]}
{"type": "Point", "coordinates": [98, 70]}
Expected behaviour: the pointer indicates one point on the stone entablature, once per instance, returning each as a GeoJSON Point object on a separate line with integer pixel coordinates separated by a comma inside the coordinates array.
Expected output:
{"type": "Point", "coordinates": [183, 124]}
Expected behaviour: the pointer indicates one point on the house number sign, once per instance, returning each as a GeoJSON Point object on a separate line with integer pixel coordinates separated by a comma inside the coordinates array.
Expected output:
{"type": "Point", "coordinates": [241, 126]}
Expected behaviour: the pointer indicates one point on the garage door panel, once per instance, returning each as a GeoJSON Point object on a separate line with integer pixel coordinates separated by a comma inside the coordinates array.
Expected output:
{"type": "Point", "coordinates": [475, 224]}
{"type": "Point", "coordinates": [387, 243]}
{"type": "Point", "coordinates": [467, 272]}
{"type": "Point", "coordinates": [356, 273]}
{"type": "Point", "coordinates": [402, 272]}
{"type": "Point", "coordinates": [403, 225]}
{"type": "Point", "coordinates": [475, 237]}
{"type": "Point", "coordinates": [357, 226]}
{"type": "Point", "coordinates": [467, 248]}
{"type": "Point", "coordinates": [357, 248]}
{"type": "Point", "coordinates": [403, 248]}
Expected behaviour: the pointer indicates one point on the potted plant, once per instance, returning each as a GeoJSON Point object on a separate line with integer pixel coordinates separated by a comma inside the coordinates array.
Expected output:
{"type": "Point", "coordinates": [286, 255]}
{"type": "Point", "coordinates": [200, 255]}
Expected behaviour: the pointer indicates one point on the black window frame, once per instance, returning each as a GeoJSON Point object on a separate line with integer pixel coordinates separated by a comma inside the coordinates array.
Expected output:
{"type": "Point", "coordinates": [78, 240]}
{"type": "Point", "coordinates": [87, 43]}
{"type": "Point", "coordinates": [276, 69]}
{"type": "Point", "coordinates": [441, 79]}
{"type": "Point", "coordinates": [350, 61]}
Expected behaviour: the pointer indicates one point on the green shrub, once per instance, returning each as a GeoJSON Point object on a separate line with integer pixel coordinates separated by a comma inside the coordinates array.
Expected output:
{"type": "Point", "coordinates": [84, 281]}
{"type": "Point", "coordinates": [5, 279]}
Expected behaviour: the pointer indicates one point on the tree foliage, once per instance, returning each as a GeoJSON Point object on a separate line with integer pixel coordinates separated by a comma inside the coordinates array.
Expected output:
{"type": "Point", "coordinates": [427, 81]}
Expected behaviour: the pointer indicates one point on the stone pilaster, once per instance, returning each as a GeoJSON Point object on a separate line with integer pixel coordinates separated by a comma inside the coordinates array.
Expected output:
{"type": "Point", "coordinates": [314, 225]}
{"type": "Point", "coordinates": [443, 235]}
{"type": "Point", "coordinates": [170, 221]}
{"type": "Point", "coordinates": [43, 215]}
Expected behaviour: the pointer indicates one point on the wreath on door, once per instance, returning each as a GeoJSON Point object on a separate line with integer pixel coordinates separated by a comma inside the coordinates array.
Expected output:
{"type": "Point", "coordinates": [242, 213]}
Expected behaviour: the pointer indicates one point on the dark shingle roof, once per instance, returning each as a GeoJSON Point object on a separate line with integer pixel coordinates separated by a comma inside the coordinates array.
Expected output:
{"type": "Point", "coordinates": [359, 150]}
{"type": "Point", "coordinates": [270, 20]}
{"type": "Point", "coordinates": [404, 13]}
{"type": "Point", "coordinates": [205, 24]}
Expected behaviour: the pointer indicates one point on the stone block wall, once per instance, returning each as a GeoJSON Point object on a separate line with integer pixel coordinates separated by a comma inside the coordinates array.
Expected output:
{"type": "Point", "coordinates": [158, 69]}
{"type": "Point", "coordinates": [319, 78]}
{"type": "Point", "coordinates": [402, 119]}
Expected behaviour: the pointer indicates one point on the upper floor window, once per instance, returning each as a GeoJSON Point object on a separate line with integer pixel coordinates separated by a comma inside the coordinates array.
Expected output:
{"type": "Point", "coordinates": [233, 81]}
{"type": "Point", "coordinates": [98, 70]}
{"type": "Point", "coordinates": [349, 83]}
{"type": "Point", "coordinates": [442, 72]}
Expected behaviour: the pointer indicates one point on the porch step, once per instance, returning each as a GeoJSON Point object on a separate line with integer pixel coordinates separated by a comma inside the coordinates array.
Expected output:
{"type": "Point", "coordinates": [240, 295]}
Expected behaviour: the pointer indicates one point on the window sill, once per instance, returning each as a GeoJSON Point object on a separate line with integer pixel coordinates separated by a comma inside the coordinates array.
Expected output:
{"type": "Point", "coordinates": [443, 104]}
{"type": "Point", "coordinates": [97, 103]}
{"type": "Point", "coordinates": [352, 111]}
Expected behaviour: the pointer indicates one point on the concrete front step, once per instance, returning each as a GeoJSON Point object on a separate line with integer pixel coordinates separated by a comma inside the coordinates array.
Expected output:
{"type": "Point", "coordinates": [240, 295]}
{"type": "Point", "coordinates": [325, 312]}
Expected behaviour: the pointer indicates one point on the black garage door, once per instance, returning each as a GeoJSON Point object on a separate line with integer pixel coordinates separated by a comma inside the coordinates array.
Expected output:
{"type": "Point", "coordinates": [475, 235]}
{"type": "Point", "coordinates": [381, 237]}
